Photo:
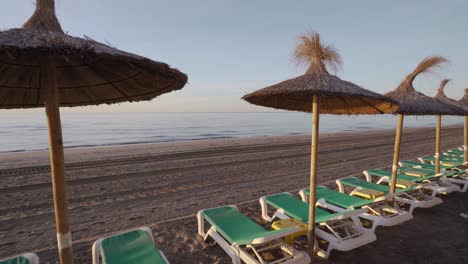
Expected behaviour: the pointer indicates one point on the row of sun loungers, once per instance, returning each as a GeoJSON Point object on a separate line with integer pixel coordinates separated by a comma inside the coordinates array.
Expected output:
{"type": "Point", "coordinates": [338, 217]}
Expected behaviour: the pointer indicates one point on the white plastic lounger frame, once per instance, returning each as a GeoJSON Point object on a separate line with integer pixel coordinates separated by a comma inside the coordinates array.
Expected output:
{"type": "Point", "coordinates": [97, 244]}
{"type": "Point", "coordinates": [421, 159]}
{"type": "Point", "coordinates": [238, 253]}
{"type": "Point", "coordinates": [459, 181]}
{"type": "Point", "coordinates": [356, 234]}
{"type": "Point", "coordinates": [380, 212]}
{"type": "Point", "coordinates": [32, 257]}
{"type": "Point", "coordinates": [414, 198]}
{"type": "Point", "coordinates": [441, 185]}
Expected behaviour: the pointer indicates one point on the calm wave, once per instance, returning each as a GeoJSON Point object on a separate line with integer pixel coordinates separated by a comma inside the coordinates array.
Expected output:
{"type": "Point", "coordinates": [22, 132]}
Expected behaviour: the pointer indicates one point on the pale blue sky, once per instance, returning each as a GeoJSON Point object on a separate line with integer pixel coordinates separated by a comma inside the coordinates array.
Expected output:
{"type": "Point", "coordinates": [229, 48]}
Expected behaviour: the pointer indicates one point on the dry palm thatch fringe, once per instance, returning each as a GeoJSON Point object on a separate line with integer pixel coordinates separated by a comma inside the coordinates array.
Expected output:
{"type": "Point", "coordinates": [89, 72]}
{"type": "Point", "coordinates": [464, 99]}
{"type": "Point", "coordinates": [427, 65]}
{"type": "Point", "coordinates": [316, 55]}
{"type": "Point", "coordinates": [336, 96]}
{"type": "Point", "coordinates": [463, 110]}
{"type": "Point", "coordinates": [441, 90]}
{"type": "Point", "coordinates": [44, 17]}
{"type": "Point", "coordinates": [413, 102]}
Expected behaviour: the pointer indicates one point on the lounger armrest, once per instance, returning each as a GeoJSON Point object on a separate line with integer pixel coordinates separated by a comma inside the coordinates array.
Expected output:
{"type": "Point", "coordinates": [368, 175]}
{"type": "Point", "coordinates": [275, 234]}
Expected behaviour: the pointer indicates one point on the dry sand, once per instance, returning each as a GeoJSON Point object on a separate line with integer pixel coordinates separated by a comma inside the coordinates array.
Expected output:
{"type": "Point", "coordinates": [163, 185]}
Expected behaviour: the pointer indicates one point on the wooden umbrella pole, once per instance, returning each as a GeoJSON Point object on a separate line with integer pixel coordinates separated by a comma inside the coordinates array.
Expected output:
{"type": "Point", "coordinates": [313, 177]}
{"type": "Point", "coordinates": [437, 149]}
{"type": "Point", "coordinates": [396, 153]}
{"type": "Point", "coordinates": [51, 101]}
{"type": "Point", "coordinates": [465, 141]}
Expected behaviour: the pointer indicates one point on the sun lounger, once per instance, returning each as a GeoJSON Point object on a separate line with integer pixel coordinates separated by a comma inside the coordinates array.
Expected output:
{"type": "Point", "coordinates": [460, 168]}
{"type": "Point", "coordinates": [342, 230]}
{"type": "Point", "coordinates": [453, 154]}
{"type": "Point", "coordinates": [438, 183]}
{"type": "Point", "coordinates": [454, 180]}
{"type": "Point", "coordinates": [380, 212]}
{"type": "Point", "coordinates": [458, 151]}
{"type": "Point", "coordinates": [446, 161]}
{"type": "Point", "coordinates": [26, 258]}
{"type": "Point", "coordinates": [413, 196]}
{"type": "Point", "coordinates": [245, 240]}
{"type": "Point", "coordinates": [130, 247]}
{"type": "Point", "coordinates": [415, 164]}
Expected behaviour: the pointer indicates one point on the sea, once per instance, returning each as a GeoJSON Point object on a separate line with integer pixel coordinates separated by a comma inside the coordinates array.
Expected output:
{"type": "Point", "coordinates": [28, 131]}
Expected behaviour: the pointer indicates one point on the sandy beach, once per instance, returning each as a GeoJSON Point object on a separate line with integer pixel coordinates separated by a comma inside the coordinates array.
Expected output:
{"type": "Point", "coordinates": [163, 186]}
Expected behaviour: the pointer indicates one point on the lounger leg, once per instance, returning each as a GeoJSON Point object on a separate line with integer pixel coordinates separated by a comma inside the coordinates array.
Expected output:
{"type": "Point", "coordinates": [324, 253]}
{"type": "Point", "coordinates": [163, 257]}
{"type": "Point", "coordinates": [224, 245]}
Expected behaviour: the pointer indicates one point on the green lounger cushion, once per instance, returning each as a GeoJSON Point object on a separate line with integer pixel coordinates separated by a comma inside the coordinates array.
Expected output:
{"type": "Point", "coordinates": [425, 167]}
{"type": "Point", "coordinates": [444, 160]}
{"type": "Point", "coordinates": [298, 209]}
{"type": "Point", "coordinates": [425, 170]}
{"type": "Point", "coordinates": [134, 247]}
{"type": "Point", "coordinates": [15, 260]}
{"type": "Point", "coordinates": [234, 226]}
{"type": "Point", "coordinates": [339, 199]}
{"type": "Point", "coordinates": [382, 173]}
{"type": "Point", "coordinates": [355, 182]}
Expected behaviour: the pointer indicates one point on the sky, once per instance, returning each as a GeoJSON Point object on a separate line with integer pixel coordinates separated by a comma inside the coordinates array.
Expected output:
{"type": "Point", "coordinates": [230, 48]}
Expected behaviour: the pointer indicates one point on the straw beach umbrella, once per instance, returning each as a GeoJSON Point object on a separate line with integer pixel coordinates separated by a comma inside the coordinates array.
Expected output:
{"type": "Point", "coordinates": [464, 102]}
{"type": "Point", "coordinates": [41, 66]}
{"type": "Point", "coordinates": [319, 92]}
{"type": "Point", "coordinates": [415, 103]}
{"type": "Point", "coordinates": [463, 110]}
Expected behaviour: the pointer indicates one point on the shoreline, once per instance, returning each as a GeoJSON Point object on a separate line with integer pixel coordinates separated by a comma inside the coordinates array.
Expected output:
{"type": "Point", "coordinates": [217, 137]}
{"type": "Point", "coordinates": [132, 144]}
{"type": "Point", "coordinates": [162, 186]}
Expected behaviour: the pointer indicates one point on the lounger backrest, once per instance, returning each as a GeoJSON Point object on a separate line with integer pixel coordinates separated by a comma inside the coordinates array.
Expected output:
{"type": "Point", "coordinates": [415, 163]}
{"type": "Point", "coordinates": [422, 171]}
{"type": "Point", "coordinates": [355, 182]}
{"type": "Point", "coordinates": [340, 199]}
{"type": "Point", "coordinates": [297, 209]}
{"type": "Point", "coordinates": [382, 173]}
{"type": "Point", "coordinates": [130, 248]}
{"type": "Point", "coordinates": [234, 226]}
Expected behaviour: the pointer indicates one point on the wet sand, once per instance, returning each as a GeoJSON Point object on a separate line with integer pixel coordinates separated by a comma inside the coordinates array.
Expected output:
{"type": "Point", "coordinates": [163, 186]}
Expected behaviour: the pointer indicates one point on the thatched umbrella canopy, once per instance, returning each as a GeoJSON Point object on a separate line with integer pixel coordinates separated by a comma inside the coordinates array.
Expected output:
{"type": "Point", "coordinates": [462, 111]}
{"type": "Point", "coordinates": [41, 66]}
{"type": "Point", "coordinates": [464, 99]}
{"type": "Point", "coordinates": [413, 102]}
{"type": "Point", "coordinates": [88, 72]}
{"type": "Point", "coordinates": [464, 102]}
{"type": "Point", "coordinates": [317, 91]}
{"type": "Point", "coordinates": [461, 108]}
